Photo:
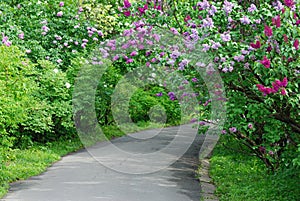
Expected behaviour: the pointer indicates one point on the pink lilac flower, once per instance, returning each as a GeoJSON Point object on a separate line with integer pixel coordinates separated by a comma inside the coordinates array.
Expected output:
{"type": "Point", "coordinates": [256, 45]}
{"type": "Point", "coordinates": [45, 28]}
{"type": "Point", "coordinates": [252, 8]}
{"type": "Point", "coordinates": [266, 62]}
{"type": "Point", "coordinates": [142, 10]}
{"type": "Point", "coordinates": [225, 37]}
{"type": "Point", "coordinates": [129, 61]}
{"type": "Point", "coordinates": [80, 9]}
{"type": "Point", "coordinates": [126, 4]}
{"type": "Point", "coordinates": [245, 20]}
{"type": "Point", "coordinates": [58, 60]}
{"type": "Point", "coordinates": [268, 31]}
{"type": "Point", "coordinates": [206, 47]}
{"type": "Point", "coordinates": [250, 125]}
{"type": "Point", "coordinates": [289, 3]}
{"type": "Point", "coordinates": [245, 52]}
{"type": "Point", "coordinates": [134, 53]}
{"type": "Point", "coordinates": [232, 129]}
{"type": "Point", "coordinates": [5, 40]}
{"type": "Point", "coordinates": [95, 39]}
{"type": "Point", "coordinates": [283, 92]}
{"type": "Point", "coordinates": [127, 13]}
{"type": "Point", "coordinates": [276, 21]}
{"type": "Point", "coordinates": [115, 58]}
{"type": "Point", "coordinates": [182, 64]}
{"type": "Point", "coordinates": [21, 35]}
{"type": "Point", "coordinates": [258, 21]}
{"type": "Point", "coordinates": [61, 4]}
{"type": "Point", "coordinates": [174, 31]}
{"type": "Point", "coordinates": [296, 44]}
{"type": "Point", "coordinates": [187, 18]}
{"type": "Point", "coordinates": [59, 14]}
{"type": "Point", "coordinates": [172, 96]}
{"type": "Point", "coordinates": [223, 132]}
{"type": "Point", "coordinates": [194, 79]}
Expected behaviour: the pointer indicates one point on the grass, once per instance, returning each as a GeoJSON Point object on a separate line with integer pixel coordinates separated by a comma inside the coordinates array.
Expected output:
{"type": "Point", "coordinates": [242, 177]}
{"type": "Point", "coordinates": [20, 164]}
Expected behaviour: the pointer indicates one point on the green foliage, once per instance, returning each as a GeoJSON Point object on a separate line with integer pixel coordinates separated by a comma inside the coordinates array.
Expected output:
{"type": "Point", "coordinates": [239, 176]}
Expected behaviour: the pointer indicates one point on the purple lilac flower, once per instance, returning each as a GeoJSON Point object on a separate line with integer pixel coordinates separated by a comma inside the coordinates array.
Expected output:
{"type": "Point", "coordinates": [45, 28]}
{"type": "Point", "coordinates": [278, 5]}
{"type": "Point", "coordinates": [159, 94]}
{"type": "Point", "coordinates": [230, 68]}
{"type": "Point", "coordinates": [223, 132]}
{"type": "Point", "coordinates": [182, 64]}
{"type": "Point", "coordinates": [228, 6]}
{"type": "Point", "coordinates": [175, 54]}
{"type": "Point", "coordinates": [194, 79]}
{"type": "Point", "coordinates": [172, 96]}
{"type": "Point", "coordinates": [225, 37]}
{"type": "Point", "coordinates": [80, 9]}
{"type": "Point", "coordinates": [239, 58]}
{"type": "Point", "coordinates": [252, 8]}
{"type": "Point", "coordinates": [232, 129]}
{"type": "Point", "coordinates": [193, 120]}
{"type": "Point", "coordinates": [202, 123]}
{"type": "Point", "coordinates": [245, 52]}
{"type": "Point", "coordinates": [171, 62]}
{"type": "Point", "coordinates": [204, 5]}
{"type": "Point", "coordinates": [85, 40]}
{"type": "Point", "coordinates": [61, 4]}
{"type": "Point", "coordinates": [230, 20]}
{"type": "Point", "coordinates": [134, 53]}
{"type": "Point", "coordinates": [216, 45]}
{"type": "Point", "coordinates": [5, 40]}
{"type": "Point", "coordinates": [225, 70]}
{"type": "Point", "coordinates": [208, 22]}
{"type": "Point", "coordinates": [212, 11]}
{"type": "Point", "coordinates": [245, 20]}
{"type": "Point", "coordinates": [206, 47]}
{"type": "Point", "coordinates": [129, 60]}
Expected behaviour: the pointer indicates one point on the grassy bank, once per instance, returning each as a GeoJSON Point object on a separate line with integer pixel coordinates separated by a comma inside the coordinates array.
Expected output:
{"type": "Point", "coordinates": [242, 177]}
{"type": "Point", "coordinates": [21, 164]}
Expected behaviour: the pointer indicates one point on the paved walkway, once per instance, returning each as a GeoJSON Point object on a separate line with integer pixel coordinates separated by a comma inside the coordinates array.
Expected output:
{"type": "Point", "coordinates": [81, 177]}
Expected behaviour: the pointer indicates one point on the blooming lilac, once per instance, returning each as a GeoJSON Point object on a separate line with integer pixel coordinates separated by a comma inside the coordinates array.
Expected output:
{"type": "Point", "coordinates": [21, 35]}
{"type": "Point", "coordinates": [296, 44]}
{"type": "Point", "coordinates": [208, 22]}
{"type": "Point", "coordinates": [245, 52]}
{"type": "Point", "coordinates": [45, 28]}
{"type": "Point", "coordinates": [194, 79]}
{"type": "Point", "coordinates": [61, 4]}
{"type": "Point", "coordinates": [278, 5]}
{"type": "Point", "coordinates": [228, 6]}
{"type": "Point", "coordinates": [175, 54]}
{"type": "Point", "coordinates": [182, 64]}
{"type": "Point", "coordinates": [126, 4]}
{"type": "Point", "coordinates": [206, 47]}
{"type": "Point", "coordinates": [230, 68]}
{"type": "Point", "coordinates": [239, 58]}
{"type": "Point", "coordinates": [58, 60]}
{"type": "Point", "coordinates": [289, 3]}
{"type": "Point", "coordinates": [232, 129]}
{"type": "Point", "coordinates": [216, 45]}
{"type": "Point", "coordinates": [129, 61]}
{"type": "Point", "coordinates": [225, 37]}
{"type": "Point", "coordinates": [257, 21]}
{"type": "Point", "coordinates": [202, 123]}
{"type": "Point", "coordinates": [204, 5]}
{"type": "Point", "coordinates": [268, 31]}
{"type": "Point", "coordinates": [174, 31]}
{"type": "Point", "coordinates": [159, 94]}
{"type": "Point", "coordinates": [212, 11]}
{"type": "Point", "coordinates": [134, 53]}
{"type": "Point", "coordinates": [59, 14]}
{"type": "Point", "coordinates": [250, 126]}
{"type": "Point", "coordinates": [252, 8]}
{"type": "Point", "coordinates": [266, 62]}
{"type": "Point", "coordinates": [5, 40]}
{"type": "Point", "coordinates": [245, 20]}
{"type": "Point", "coordinates": [223, 132]}
{"type": "Point", "coordinates": [80, 9]}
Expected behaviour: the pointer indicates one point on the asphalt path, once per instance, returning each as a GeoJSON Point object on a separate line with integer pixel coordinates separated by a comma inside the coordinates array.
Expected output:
{"type": "Point", "coordinates": [100, 173]}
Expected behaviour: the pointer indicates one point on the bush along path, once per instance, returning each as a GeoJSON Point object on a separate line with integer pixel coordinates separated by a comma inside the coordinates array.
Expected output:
{"type": "Point", "coordinates": [79, 176]}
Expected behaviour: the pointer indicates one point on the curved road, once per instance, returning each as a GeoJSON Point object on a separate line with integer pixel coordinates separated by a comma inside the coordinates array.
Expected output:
{"type": "Point", "coordinates": [80, 177]}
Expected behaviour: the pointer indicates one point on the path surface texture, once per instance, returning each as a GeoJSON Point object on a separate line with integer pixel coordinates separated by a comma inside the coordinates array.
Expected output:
{"type": "Point", "coordinates": [104, 173]}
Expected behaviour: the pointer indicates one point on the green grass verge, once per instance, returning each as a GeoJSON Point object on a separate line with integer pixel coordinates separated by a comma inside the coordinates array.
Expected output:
{"type": "Point", "coordinates": [242, 177]}
{"type": "Point", "coordinates": [20, 164]}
